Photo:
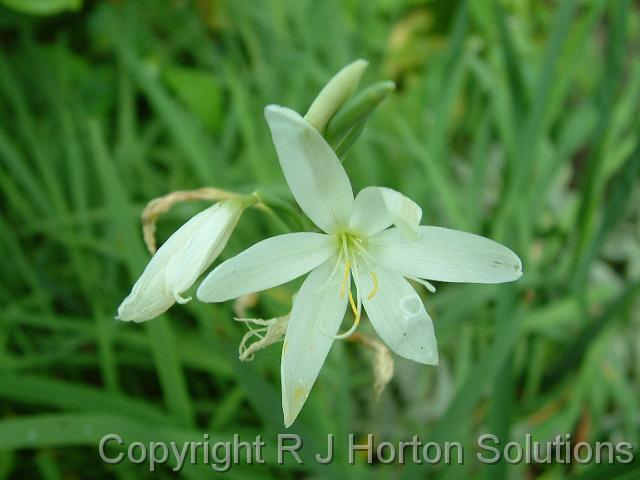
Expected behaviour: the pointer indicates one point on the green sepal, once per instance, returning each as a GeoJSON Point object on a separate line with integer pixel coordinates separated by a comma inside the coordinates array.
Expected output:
{"type": "Point", "coordinates": [348, 124]}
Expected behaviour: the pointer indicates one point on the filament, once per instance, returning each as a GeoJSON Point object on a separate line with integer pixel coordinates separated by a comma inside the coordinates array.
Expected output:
{"type": "Point", "coordinates": [335, 267]}
{"type": "Point", "coordinates": [428, 285]}
{"type": "Point", "coordinates": [374, 276]}
{"type": "Point", "coordinates": [347, 267]}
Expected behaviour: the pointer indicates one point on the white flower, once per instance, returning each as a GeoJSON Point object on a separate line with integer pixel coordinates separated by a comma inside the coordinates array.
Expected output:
{"type": "Point", "coordinates": [358, 244]}
{"type": "Point", "coordinates": [181, 260]}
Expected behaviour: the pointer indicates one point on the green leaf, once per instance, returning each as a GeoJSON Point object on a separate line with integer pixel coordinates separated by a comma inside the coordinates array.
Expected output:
{"type": "Point", "coordinates": [42, 7]}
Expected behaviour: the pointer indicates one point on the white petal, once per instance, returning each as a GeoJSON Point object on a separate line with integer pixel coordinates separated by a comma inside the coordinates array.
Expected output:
{"type": "Point", "coordinates": [317, 314]}
{"type": "Point", "coordinates": [398, 315]}
{"type": "Point", "coordinates": [377, 208]}
{"type": "Point", "coordinates": [209, 235]}
{"type": "Point", "coordinates": [446, 255]}
{"type": "Point", "coordinates": [269, 263]}
{"type": "Point", "coordinates": [314, 174]}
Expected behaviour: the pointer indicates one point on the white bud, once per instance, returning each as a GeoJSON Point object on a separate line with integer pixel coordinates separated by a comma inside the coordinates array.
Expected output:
{"type": "Point", "coordinates": [181, 260]}
{"type": "Point", "coordinates": [334, 94]}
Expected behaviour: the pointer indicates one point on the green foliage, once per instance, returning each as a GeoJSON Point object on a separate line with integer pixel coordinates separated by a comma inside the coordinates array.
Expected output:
{"type": "Point", "coordinates": [200, 91]}
{"type": "Point", "coordinates": [517, 120]}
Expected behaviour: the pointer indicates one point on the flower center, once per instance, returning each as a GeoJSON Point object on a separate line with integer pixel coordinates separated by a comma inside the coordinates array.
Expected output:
{"type": "Point", "coordinates": [354, 255]}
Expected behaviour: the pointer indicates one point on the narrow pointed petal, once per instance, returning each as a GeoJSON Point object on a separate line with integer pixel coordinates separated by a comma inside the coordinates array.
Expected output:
{"type": "Point", "coordinates": [376, 208]}
{"type": "Point", "coordinates": [398, 315]}
{"type": "Point", "coordinates": [446, 255]}
{"type": "Point", "coordinates": [315, 176]}
{"type": "Point", "coordinates": [317, 313]}
{"type": "Point", "coordinates": [267, 264]}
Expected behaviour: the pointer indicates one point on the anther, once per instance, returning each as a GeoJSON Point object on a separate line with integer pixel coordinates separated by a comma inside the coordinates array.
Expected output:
{"type": "Point", "coordinates": [374, 290]}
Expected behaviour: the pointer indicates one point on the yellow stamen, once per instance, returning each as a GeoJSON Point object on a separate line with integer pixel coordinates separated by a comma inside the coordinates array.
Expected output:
{"type": "Point", "coordinates": [356, 306]}
{"type": "Point", "coordinates": [345, 279]}
{"type": "Point", "coordinates": [374, 277]}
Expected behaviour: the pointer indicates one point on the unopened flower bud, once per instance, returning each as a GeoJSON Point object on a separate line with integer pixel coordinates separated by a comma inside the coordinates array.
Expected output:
{"type": "Point", "coordinates": [334, 94]}
{"type": "Point", "coordinates": [181, 260]}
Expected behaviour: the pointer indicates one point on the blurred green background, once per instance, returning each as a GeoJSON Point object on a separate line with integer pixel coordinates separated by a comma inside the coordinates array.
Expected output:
{"type": "Point", "coordinates": [517, 120]}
